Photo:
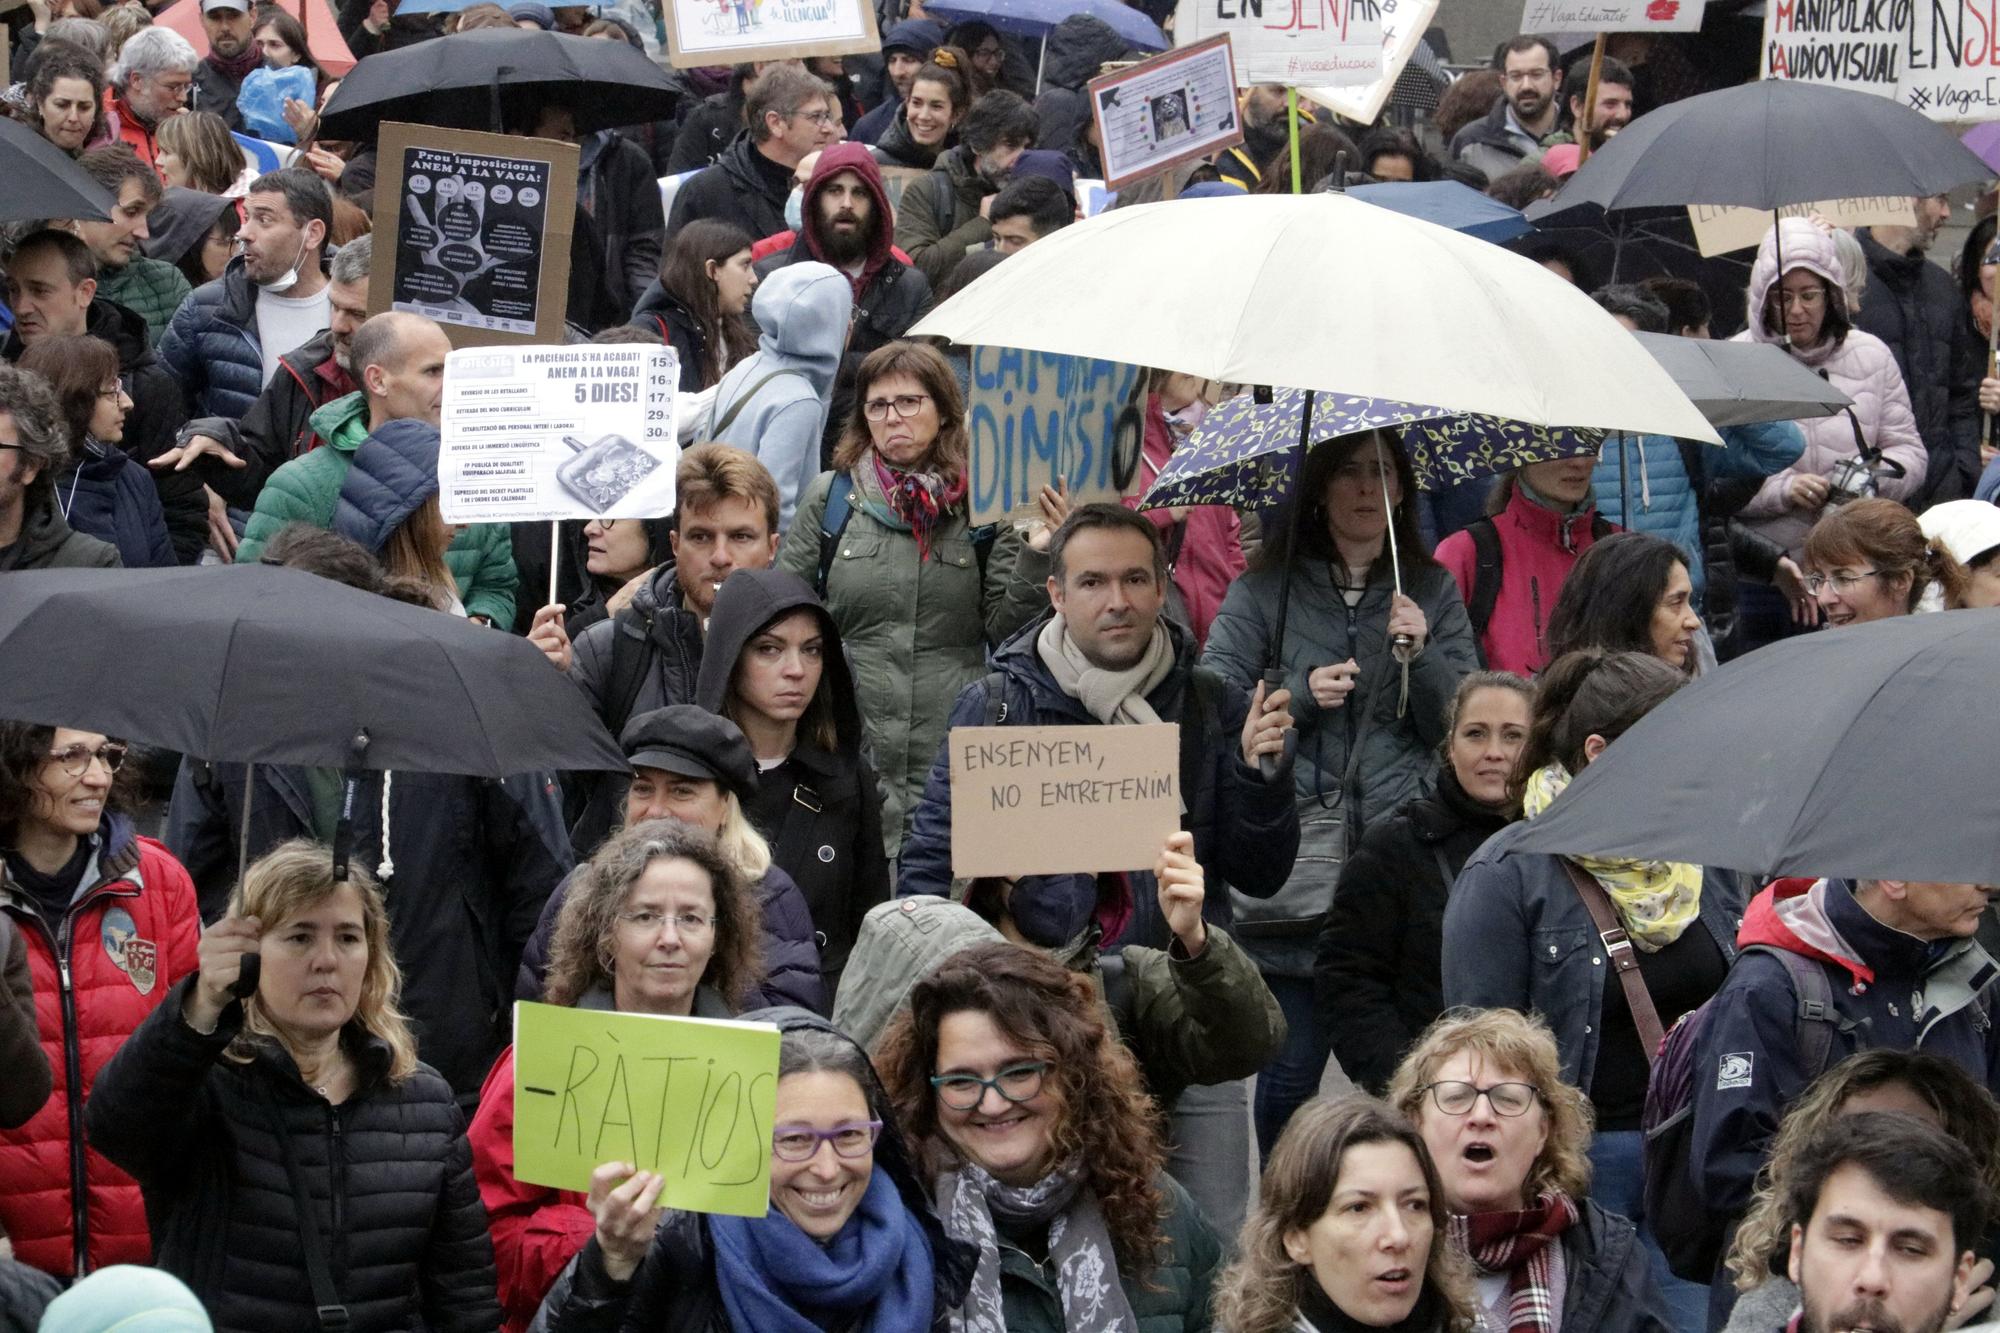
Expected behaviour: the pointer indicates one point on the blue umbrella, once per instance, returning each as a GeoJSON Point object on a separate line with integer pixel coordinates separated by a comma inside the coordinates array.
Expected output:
{"type": "Point", "coordinates": [1245, 453]}
{"type": "Point", "coordinates": [1035, 18]}
{"type": "Point", "coordinates": [1448, 204]}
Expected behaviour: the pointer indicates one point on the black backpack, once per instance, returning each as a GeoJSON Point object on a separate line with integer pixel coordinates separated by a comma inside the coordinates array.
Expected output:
{"type": "Point", "coordinates": [1487, 573]}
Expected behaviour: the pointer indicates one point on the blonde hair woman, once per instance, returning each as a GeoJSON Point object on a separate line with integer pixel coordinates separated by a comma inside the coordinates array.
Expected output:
{"type": "Point", "coordinates": [274, 1112]}
{"type": "Point", "coordinates": [1509, 1137]}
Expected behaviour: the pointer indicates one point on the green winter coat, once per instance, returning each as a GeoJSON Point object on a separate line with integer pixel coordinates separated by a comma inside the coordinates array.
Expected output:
{"type": "Point", "coordinates": [152, 289]}
{"type": "Point", "coordinates": [916, 633]}
{"type": "Point", "coordinates": [1174, 1298]}
{"type": "Point", "coordinates": [307, 489]}
{"type": "Point", "coordinates": [938, 253]}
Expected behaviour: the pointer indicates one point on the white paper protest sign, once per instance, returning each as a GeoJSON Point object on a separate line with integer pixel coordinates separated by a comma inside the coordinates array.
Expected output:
{"type": "Point", "coordinates": [1856, 46]}
{"type": "Point", "coordinates": [543, 433]}
{"type": "Point", "coordinates": [1333, 43]}
{"type": "Point", "coordinates": [1403, 24]}
{"type": "Point", "coordinates": [1165, 111]}
{"type": "Point", "coordinates": [1612, 15]}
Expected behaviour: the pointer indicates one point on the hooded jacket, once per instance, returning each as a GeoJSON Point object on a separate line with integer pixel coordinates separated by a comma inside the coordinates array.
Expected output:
{"type": "Point", "coordinates": [780, 394]}
{"type": "Point", "coordinates": [180, 222]}
{"type": "Point", "coordinates": [1538, 548]}
{"type": "Point", "coordinates": [405, 1234]}
{"type": "Point", "coordinates": [742, 186]}
{"type": "Point", "coordinates": [278, 427]}
{"type": "Point", "coordinates": [393, 473]}
{"type": "Point", "coordinates": [129, 934]}
{"type": "Point", "coordinates": [1246, 831]}
{"type": "Point", "coordinates": [1914, 307]}
{"type": "Point", "coordinates": [1889, 990]}
{"type": "Point", "coordinates": [1860, 365]}
{"type": "Point", "coordinates": [620, 191]}
{"type": "Point", "coordinates": [48, 542]}
{"type": "Point", "coordinates": [149, 288]}
{"type": "Point", "coordinates": [307, 490]}
{"type": "Point", "coordinates": [1078, 48]}
{"type": "Point", "coordinates": [111, 497]}
{"type": "Point", "coordinates": [467, 866]}
{"type": "Point", "coordinates": [820, 808]}
{"type": "Point", "coordinates": [158, 409]}
{"type": "Point", "coordinates": [675, 1289]}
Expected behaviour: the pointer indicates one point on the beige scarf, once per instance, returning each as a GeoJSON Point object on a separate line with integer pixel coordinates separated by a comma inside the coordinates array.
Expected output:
{"type": "Point", "coordinates": [1108, 696]}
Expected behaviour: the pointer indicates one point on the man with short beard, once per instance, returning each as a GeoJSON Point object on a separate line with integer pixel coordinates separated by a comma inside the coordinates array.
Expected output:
{"type": "Point", "coordinates": [231, 56]}
{"type": "Point", "coordinates": [1523, 115]}
{"type": "Point", "coordinates": [1886, 1209]}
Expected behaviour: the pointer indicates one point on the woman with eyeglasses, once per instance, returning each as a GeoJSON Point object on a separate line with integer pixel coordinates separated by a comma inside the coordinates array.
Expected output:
{"type": "Point", "coordinates": [659, 922]}
{"type": "Point", "coordinates": [103, 492]}
{"type": "Point", "coordinates": [1510, 1140]}
{"type": "Point", "coordinates": [111, 923]}
{"type": "Point", "coordinates": [1868, 560]}
{"type": "Point", "coordinates": [919, 594]}
{"type": "Point", "coordinates": [1872, 448]}
{"type": "Point", "coordinates": [1034, 1129]}
{"type": "Point", "coordinates": [851, 1240]}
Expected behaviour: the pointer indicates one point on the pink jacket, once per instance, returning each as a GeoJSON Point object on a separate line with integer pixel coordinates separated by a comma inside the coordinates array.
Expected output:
{"type": "Point", "coordinates": [1860, 365]}
{"type": "Point", "coordinates": [1538, 548]}
{"type": "Point", "coordinates": [1211, 548]}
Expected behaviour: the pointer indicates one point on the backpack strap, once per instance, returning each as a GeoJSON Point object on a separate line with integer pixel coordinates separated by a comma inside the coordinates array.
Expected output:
{"type": "Point", "coordinates": [944, 201]}
{"type": "Point", "coordinates": [996, 699]}
{"type": "Point", "coordinates": [833, 522]}
{"type": "Point", "coordinates": [331, 1314]}
{"type": "Point", "coordinates": [629, 633]}
{"type": "Point", "coordinates": [1486, 573]}
{"type": "Point", "coordinates": [1624, 958]}
{"type": "Point", "coordinates": [736, 407]}
{"type": "Point", "coordinates": [1600, 526]}
{"type": "Point", "coordinates": [1815, 1020]}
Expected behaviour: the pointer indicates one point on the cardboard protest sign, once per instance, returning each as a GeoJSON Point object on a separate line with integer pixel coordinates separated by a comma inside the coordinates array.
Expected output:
{"type": "Point", "coordinates": [1403, 24]}
{"type": "Point", "coordinates": [690, 1098]}
{"type": "Point", "coordinates": [1034, 417]}
{"type": "Point", "coordinates": [1165, 111]}
{"type": "Point", "coordinates": [1335, 43]}
{"type": "Point", "coordinates": [1845, 45]}
{"type": "Point", "coordinates": [728, 32]}
{"type": "Point", "coordinates": [479, 230]}
{"type": "Point", "coordinates": [1718, 230]}
{"type": "Point", "coordinates": [1062, 800]}
{"type": "Point", "coordinates": [1613, 15]}
{"type": "Point", "coordinates": [548, 433]}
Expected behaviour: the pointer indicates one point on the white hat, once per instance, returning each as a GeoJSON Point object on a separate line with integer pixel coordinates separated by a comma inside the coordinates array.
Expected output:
{"type": "Point", "coordinates": [1968, 528]}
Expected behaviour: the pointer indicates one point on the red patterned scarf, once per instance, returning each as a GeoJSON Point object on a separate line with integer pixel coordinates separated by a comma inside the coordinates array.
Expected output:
{"type": "Point", "coordinates": [1517, 1244]}
{"type": "Point", "coordinates": [919, 499]}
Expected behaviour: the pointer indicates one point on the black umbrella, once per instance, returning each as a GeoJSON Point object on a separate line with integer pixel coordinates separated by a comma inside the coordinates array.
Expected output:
{"type": "Point", "coordinates": [258, 664]}
{"type": "Point", "coordinates": [1768, 144]}
{"type": "Point", "coordinates": [1740, 383]}
{"type": "Point", "coordinates": [43, 181]}
{"type": "Point", "coordinates": [1864, 752]}
{"type": "Point", "coordinates": [484, 79]}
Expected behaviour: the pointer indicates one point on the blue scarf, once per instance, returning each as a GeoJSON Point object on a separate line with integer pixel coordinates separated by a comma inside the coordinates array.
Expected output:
{"type": "Point", "coordinates": [777, 1279]}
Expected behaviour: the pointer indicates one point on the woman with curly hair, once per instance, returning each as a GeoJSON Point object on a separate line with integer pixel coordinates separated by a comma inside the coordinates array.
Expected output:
{"type": "Point", "coordinates": [1929, 1087]}
{"type": "Point", "coordinates": [65, 98]}
{"type": "Point", "coordinates": [659, 922]}
{"type": "Point", "coordinates": [1509, 1139]}
{"type": "Point", "coordinates": [1349, 1232]}
{"type": "Point", "coordinates": [1031, 1121]}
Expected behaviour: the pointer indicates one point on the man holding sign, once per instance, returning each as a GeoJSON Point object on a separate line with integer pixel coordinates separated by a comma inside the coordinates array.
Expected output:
{"type": "Point", "coordinates": [1104, 655]}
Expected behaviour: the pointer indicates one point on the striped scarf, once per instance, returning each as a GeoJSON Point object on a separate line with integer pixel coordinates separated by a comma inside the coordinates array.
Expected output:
{"type": "Point", "coordinates": [1517, 1244]}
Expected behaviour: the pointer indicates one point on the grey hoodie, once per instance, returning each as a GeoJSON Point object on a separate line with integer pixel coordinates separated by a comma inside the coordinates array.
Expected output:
{"type": "Point", "coordinates": [803, 312]}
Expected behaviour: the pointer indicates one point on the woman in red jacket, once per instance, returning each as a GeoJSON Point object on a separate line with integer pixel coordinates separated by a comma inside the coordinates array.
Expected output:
{"type": "Point", "coordinates": [111, 924]}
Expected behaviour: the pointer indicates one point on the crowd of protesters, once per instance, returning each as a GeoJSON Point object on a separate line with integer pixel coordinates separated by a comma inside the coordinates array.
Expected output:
{"type": "Point", "coordinates": [1342, 1055]}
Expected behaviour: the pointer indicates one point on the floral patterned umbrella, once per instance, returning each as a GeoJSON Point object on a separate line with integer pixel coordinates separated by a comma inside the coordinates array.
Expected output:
{"type": "Point", "coordinates": [1244, 451]}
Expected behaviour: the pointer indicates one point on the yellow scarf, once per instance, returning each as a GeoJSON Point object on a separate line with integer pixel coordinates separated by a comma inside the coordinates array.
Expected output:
{"type": "Point", "coordinates": [1656, 900]}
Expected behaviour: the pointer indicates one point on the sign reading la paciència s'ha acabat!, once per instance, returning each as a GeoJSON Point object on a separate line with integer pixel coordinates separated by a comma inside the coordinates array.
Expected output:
{"type": "Point", "coordinates": [1613, 15]}
{"type": "Point", "coordinates": [691, 1098]}
{"type": "Point", "coordinates": [1940, 57]}
{"type": "Point", "coordinates": [1062, 800]}
{"type": "Point", "coordinates": [1334, 43]}
{"type": "Point", "coordinates": [1166, 110]}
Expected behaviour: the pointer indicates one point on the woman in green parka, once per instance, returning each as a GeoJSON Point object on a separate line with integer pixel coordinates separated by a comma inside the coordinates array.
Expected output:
{"type": "Point", "coordinates": [917, 591]}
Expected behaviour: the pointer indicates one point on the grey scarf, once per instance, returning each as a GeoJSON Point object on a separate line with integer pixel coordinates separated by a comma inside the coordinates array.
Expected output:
{"type": "Point", "coordinates": [1079, 1247]}
{"type": "Point", "coordinates": [1108, 696]}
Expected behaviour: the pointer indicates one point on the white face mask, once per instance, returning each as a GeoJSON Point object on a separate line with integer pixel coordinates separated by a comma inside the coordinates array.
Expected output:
{"type": "Point", "coordinates": [280, 285]}
{"type": "Point", "coordinates": [795, 208]}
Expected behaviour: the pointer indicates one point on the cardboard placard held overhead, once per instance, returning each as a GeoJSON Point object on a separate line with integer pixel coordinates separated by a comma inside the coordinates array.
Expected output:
{"type": "Point", "coordinates": [1062, 800]}
{"type": "Point", "coordinates": [729, 32]}
{"type": "Point", "coordinates": [690, 1098]}
{"type": "Point", "coordinates": [1719, 230]}
{"type": "Point", "coordinates": [1165, 111]}
{"type": "Point", "coordinates": [473, 230]}
{"type": "Point", "coordinates": [1595, 16]}
{"type": "Point", "coordinates": [1334, 43]}
{"type": "Point", "coordinates": [1034, 417]}
{"type": "Point", "coordinates": [1402, 28]}
{"type": "Point", "coordinates": [558, 432]}
{"type": "Point", "coordinates": [1846, 46]}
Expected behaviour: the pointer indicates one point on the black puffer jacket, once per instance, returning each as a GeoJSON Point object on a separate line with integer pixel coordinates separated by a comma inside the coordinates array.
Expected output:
{"type": "Point", "coordinates": [388, 1169]}
{"type": "Point", "coordinates": [1914, 306]}
{"type": "Point", "coordinates": [660, 309]}
{"type": "Point", "coordinates": [1377, 974]}
{"type": "Point", "coordinates": [820, 809]}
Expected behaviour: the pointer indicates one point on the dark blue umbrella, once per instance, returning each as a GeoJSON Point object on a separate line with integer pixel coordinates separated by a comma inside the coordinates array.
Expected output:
{"type": "Point", "coordinates": [1036, 18]}
{"type": "Point", "coordinates": [1448, 204]}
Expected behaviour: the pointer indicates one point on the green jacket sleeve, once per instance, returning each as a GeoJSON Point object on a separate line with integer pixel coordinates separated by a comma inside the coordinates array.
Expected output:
{"type": "Point", "coordinates": [1198, 1020]}
{"type": "Point", "coordinates": [799, 553]}
{"type": "Point", "coordinates": [490, 581]}
{"type": "Point", "coordinates": [295, 493]}
{"type": "Point", "coordinates": [1017, 585]}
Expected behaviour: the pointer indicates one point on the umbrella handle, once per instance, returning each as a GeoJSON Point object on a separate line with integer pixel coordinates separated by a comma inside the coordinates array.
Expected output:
{"type": "Point", "coordinates": [1270, 765]}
